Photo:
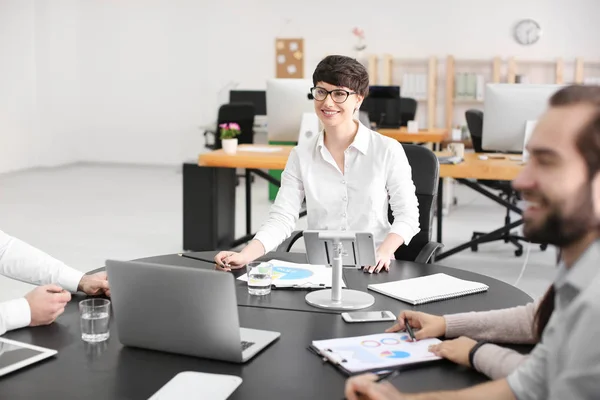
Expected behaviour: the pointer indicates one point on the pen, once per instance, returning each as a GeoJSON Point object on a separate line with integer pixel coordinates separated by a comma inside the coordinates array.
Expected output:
{"type": "Point", "coordinates": [409, 329]}
{"type": "Point", "coordinates": [389, 376]}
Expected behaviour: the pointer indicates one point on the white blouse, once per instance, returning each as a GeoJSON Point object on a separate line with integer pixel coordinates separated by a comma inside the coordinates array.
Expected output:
{"type": "Point", "coordinates": [376, 172]}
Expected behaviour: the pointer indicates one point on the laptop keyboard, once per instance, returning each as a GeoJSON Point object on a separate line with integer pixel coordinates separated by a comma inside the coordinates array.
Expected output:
{"type": "Point", "coordinates": [246, 345]}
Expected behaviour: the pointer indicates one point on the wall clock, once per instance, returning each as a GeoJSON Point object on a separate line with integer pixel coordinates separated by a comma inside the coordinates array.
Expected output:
{"type": "Point", "coordinates": [527, 32]}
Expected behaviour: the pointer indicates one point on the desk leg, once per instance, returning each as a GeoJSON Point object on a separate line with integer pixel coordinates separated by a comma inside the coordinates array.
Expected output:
{"type": "Point", "coordinates": [440, 209]}
{"type": "Point", "coordinates": [248, 202]}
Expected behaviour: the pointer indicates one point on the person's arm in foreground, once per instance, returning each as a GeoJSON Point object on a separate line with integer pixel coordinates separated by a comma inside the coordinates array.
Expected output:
{"type": "Point", "coordinates": [507, 325]}
{"type": "Point", "coordinates": [279, 226]}
{"type": "Point", "coordinates": [41, 306]}
{"type": "Point", "coordinates": [364, 387]}
{"type": "Point", "coordinates": [404, 205]}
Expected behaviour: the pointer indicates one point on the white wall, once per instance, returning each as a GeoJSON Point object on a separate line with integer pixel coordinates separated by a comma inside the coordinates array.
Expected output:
{"type": "Point", "coordinates": [132, 80]}
{"type": "Point", "coordinates": [17, 85]}
{"type": "Point", "coordinates": [38, 83]}
{"type": "Point", "coordinates": [151, 71]}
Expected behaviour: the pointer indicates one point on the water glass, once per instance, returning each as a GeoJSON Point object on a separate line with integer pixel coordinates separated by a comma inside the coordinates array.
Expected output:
{"type": "Point", "coordinates": [259, 278]}
{"type": "Point", "coordinates": [94, 316]}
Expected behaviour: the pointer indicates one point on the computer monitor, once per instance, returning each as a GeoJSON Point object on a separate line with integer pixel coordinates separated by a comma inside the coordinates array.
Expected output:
{"type": "Point", "coordinates": [507, 109]}
{"type": "Point", "coordinates": [256, 97]}
{"type": "Point", "coordinates": [287, 101]}
{"type": "Point", "coordinates": [384, 92]}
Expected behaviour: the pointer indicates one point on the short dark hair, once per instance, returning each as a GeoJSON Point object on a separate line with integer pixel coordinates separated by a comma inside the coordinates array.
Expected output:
{"type": "Point", "coordinates": [588, 141]}
{"type": "Point", "coordinates": [343, 71]}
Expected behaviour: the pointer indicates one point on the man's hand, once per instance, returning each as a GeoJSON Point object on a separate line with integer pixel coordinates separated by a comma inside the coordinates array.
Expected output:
{"type": "Point", "coordinates": [363, 387]}
{"type": "Point", "coordinates": [456, 350]}
{"type": "Point", "coordinates": [94, 284]}
{"type": "Point", "coordinates": [428, 325]}
{"type": "Point", "coordinates": [46, 303]}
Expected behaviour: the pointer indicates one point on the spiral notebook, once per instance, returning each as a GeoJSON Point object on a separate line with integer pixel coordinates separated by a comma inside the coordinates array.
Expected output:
{"type": "Point", "coordinates": [426, 289]}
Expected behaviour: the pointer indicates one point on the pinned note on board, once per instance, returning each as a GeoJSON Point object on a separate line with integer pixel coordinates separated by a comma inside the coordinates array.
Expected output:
{"type": "Point", "coordinates": [289, 58]}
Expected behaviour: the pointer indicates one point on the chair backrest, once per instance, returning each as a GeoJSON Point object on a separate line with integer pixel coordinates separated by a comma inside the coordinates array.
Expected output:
{"type": "Point", "coordinates": [243, 115]}
{"type": "Point", "coordinates": [425, 174]}
{"type": "Point", "coordinates": [408, 109]}
{"type": "Point", "coordinates": [475, 125]}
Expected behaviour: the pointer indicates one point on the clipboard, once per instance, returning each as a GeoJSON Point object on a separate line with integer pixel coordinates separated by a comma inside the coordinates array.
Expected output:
{"type": "Point", "coordinates": [377, 353]}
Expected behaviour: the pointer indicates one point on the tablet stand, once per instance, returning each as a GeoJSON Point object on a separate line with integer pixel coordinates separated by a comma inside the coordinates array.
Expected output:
{"type": "Point", "coordinates": [336, 298]}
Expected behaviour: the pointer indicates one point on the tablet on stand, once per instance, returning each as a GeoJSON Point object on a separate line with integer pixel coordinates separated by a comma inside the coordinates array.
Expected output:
{"type": "Point", "coordinates": [339, 249]}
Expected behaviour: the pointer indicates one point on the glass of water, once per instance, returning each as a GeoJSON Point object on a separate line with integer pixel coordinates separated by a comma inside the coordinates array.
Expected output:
{"type": "Point", "coordinates": [259, 277]}
{"type": "Point", "coordinates": [94, 316]}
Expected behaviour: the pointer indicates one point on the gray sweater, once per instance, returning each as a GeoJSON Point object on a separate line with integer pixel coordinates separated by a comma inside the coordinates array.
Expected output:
{"type": "Point", "coordinates": [510, 325]}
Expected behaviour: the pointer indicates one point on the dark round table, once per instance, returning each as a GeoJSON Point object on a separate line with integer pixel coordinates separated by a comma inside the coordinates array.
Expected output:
{"type": "Point", "coordinates": [285, 369]}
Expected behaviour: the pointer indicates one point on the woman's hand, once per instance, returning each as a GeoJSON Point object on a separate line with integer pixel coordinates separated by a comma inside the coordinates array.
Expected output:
{"type": "Point", "coordinates": [382, 261]}
{"type": "Point", "coordinates": [456, 350]}
{"type": "Point", "coordinates": [428, 325]}
{"type": "Point", "coordinates": [228, 260]}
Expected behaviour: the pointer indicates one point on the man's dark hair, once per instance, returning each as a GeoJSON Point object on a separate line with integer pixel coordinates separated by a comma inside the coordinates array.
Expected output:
{"type": "Point", "coordinates": [588, 144]}
{"type": "Point", "coordinates": [343, 71]}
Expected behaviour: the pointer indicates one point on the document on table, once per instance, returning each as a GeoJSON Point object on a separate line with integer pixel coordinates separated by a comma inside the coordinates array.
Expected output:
{"type": "Point", "coordinates": [261, 149]}
{"type": "Point", "coordinates": [286, 274]}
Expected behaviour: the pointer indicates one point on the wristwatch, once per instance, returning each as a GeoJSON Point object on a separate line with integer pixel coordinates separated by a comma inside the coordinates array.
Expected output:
{"type": "Point", "coordinates": [473, 350]}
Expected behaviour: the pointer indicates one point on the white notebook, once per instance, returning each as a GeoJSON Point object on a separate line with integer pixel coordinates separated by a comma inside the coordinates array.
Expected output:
{"type": "Point", "coordinates": [426, 289]}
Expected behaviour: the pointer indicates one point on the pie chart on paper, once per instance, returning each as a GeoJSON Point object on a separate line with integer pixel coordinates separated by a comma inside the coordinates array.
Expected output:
{"type": "Point", "coordinates": [288, 273]}
{"type": "Point", "coordinates": [395, 354]}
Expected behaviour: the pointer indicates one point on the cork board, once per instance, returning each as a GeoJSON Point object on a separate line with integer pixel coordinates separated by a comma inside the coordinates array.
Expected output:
{"type": "Point", "coordinates": [289, 58]}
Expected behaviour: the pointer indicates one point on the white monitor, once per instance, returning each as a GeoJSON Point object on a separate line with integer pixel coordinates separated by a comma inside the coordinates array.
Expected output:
{"type": "Point", "coordinates": [287, 101]}
{"type": "Point", "coordinates": [507, 109]}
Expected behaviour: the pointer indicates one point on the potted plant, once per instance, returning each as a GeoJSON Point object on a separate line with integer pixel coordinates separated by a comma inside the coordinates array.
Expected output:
{"type": "Point", "coordinates": [229, 141]}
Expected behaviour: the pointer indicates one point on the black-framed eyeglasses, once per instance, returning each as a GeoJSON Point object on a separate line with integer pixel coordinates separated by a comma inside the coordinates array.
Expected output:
{"type": "Point", "coordinates": [337, 95]}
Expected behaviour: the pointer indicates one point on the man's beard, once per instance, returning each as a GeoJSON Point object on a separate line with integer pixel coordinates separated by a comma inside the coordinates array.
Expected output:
{"type": "Point", "coordinates": [561, 230]}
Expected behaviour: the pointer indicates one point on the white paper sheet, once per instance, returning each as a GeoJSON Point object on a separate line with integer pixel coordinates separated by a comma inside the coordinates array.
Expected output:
{"type": "Point", "coordinates": [260, 149]}
{"type": "Point", "coordinates": [287, 274]}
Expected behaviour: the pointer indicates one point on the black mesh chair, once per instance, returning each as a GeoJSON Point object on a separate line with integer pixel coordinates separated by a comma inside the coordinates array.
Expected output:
{"type": "Point", "coordinates": [425, 175]}
{"type": "Point", "coordinates": [506, 192]}
{"type": "Point", "coordinates": [240, 113]}
{"type": "Point", "coordinates": [408, 110]}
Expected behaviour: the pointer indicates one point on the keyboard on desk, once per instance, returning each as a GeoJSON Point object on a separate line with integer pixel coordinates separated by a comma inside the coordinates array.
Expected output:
{"type": "Point", "coordinates": [246, 345]}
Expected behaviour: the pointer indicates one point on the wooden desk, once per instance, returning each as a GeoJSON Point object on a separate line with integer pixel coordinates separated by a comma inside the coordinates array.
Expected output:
{"type": "Point", "coordinates": [437, 135]}
{"type": "Point", "coordinates": [471, 168]}
{"type": "Point", "coordinates": [248, 159]}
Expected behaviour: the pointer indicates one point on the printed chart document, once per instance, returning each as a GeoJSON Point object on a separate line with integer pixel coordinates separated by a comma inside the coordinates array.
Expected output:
{"type": "Point", "coordinates": [286, 274]}
{"type": "Point", "coordinates": [374, 352]}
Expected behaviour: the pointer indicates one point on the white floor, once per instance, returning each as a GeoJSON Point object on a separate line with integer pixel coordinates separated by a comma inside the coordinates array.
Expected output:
{"type": "Point", "coordinates": [84, 214]}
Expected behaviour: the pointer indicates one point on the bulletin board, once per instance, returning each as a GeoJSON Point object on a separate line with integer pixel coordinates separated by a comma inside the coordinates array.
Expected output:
{"type": "Point", "coordinates": [289, 58]}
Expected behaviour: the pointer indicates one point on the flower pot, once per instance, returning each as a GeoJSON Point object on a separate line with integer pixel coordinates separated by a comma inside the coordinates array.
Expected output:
{"type": "Point", "coordinates": [229, 145]}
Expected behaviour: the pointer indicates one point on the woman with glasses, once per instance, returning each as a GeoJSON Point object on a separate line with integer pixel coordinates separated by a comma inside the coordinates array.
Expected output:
{"type": "Point", "coordinates": [348, 175]}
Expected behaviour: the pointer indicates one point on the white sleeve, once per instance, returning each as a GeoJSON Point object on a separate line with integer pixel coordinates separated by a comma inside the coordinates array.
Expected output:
{"type": "Point", "coordinates": [403, 198]}
{"type": "Point", "coordinates": [21, 261]}
{"type": "Point", "coordinates": [285, 210]}
{"type": "Point", "coordinates": [14, 314]}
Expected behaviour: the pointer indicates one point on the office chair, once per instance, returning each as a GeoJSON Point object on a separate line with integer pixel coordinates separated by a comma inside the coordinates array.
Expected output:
{"type": "Point", "coordinates": [408, 110]}
{"type": "Point", "coordinates": [475, 125]}
{"type": "Point", "coordinates": [243, 114]}
{"type": "Point", "coordinates": [425, 174]}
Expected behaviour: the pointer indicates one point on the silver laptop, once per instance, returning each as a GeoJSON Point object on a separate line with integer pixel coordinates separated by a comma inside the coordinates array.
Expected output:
{"type": "Point", "coordinates": [181, 310]}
